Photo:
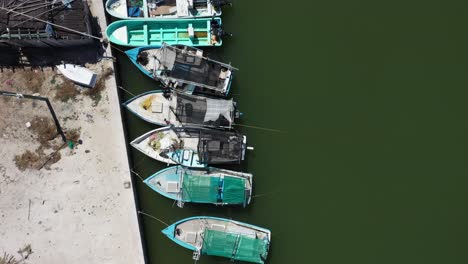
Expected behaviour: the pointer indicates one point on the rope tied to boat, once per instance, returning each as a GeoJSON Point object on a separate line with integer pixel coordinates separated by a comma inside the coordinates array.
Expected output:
{"type": "Point", "coordinates": [261, 128]}
{"type": "Point", "coordinates": [134, 172]}
{"type": "Point", "coordinates": [155, 218]}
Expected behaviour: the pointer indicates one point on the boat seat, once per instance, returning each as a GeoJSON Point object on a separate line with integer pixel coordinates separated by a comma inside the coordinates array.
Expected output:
{"type": "Point", "coordinates": [214, 146]}
{"type": "Point", "coordinates": [191, 237]}
{"type": "Point", "coordinates": [156, 107]}
{"type": "Point", "coordinates": [172, 10]}
{"type": "Point", "coordinates": [191, 31]}
{"type": "Point", "coordinates": [187, 155]}
{"type": "Point", "coordinates": [217, 227]}
{"type": "Point", "coordinates": [172, 187]}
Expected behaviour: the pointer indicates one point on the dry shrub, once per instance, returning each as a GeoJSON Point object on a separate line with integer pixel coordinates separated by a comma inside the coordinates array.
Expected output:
{"type": "Point", "coordinates": [66, 91]}
{"type": "Point", "coordinates": [107, 73]}
{"type": "Point", "coordinates": [44, 128]}
{"type": "Point", "coordinates": [33, 79]}
{"type": "Point", "coordinates": [8, 259]}
{"type": "Point", "coordinates": [95, 93]}
{"type": "Point", "coordinates": [37, 160]}
{"type": "Point", "coordinates": [50, 159]}
{"type": "Point", "coordinates": [27, 160]}
{"type": "Point", "coordinates": [25, 251]}
{"type": "Point", "coordinates": [73, 135]}
{"type": "Point", "coordinates": [54, 158]}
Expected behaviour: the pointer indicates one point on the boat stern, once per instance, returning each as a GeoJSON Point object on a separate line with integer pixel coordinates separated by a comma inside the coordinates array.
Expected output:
{"type": "Point", "coordinates": [117, 8]}
{"type": "Point", "coordinates": [229, 82]}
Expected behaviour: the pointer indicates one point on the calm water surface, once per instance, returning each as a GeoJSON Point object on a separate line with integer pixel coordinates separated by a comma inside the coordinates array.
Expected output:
{"type": "Point", "coordinates": [371, 166]}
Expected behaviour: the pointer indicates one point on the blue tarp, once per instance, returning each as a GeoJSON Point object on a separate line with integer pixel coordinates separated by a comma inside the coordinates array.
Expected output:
{"type": "Point", "coordinates": [134, 11]}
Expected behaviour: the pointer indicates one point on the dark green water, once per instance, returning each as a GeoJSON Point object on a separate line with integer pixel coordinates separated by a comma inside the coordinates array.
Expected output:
{"type": "Point", "coordinates": [372, 97]}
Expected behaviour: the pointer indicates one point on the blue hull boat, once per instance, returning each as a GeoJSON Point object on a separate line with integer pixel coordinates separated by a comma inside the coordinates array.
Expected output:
{"type": "Point", "coordinates": [221, 237]}
{"type": "Point", "coordinates": [213, 186]}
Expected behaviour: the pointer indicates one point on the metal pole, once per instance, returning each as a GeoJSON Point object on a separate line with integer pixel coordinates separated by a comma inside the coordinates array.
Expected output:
{"type": "Point", "coordinates": [49, 105]}
{"type": "Point", "coordinates": [59, 128]}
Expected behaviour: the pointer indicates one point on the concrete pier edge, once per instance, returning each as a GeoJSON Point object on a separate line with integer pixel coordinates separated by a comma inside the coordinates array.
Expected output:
{"type": "Point", "coordinates": [127, 142]}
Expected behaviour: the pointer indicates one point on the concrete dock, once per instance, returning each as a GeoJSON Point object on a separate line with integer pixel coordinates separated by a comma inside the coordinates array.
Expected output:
{"type": "Point", "coordinates": [81, 208]}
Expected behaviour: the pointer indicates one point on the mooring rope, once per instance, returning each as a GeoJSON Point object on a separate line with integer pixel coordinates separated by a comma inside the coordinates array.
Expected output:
{"type": "Point", "coordinates": [113, 46]}
{"type": "Point", "coordinates": [120, 87]}
{"type": "Point", "coordinates": [263, 194]}
{"type": "Point", "coordinates": [155, 218]}
{"type": "Point", "coordinates": [262, 128]}
{"type": "Point", "coordinates": [134, 172]}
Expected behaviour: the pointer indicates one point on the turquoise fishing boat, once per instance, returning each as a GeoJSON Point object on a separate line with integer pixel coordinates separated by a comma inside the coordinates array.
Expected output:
{"type": "Point", "coordinates": [212, 185]}
{"type": "Point", "coordinates": [221, 237]}
{"type": "Point", "coordinates": [183, 68]}
{"type": "Point", "coordinates": [164, 9]}
{"type": "Point", "coordinates": [144, 32]}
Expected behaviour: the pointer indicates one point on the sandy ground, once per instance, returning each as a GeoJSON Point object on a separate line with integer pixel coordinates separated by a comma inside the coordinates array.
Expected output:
{"type": "Point", "coordinates": [81, 208]}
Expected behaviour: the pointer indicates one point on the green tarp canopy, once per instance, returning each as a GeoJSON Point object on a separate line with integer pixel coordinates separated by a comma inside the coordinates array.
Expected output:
{"type": "Point", "coordinates": [234, 246]}
{"type": "Point", "coordinates": [234, 190]}
{"type": "Point", "coordinates": [203, 189]}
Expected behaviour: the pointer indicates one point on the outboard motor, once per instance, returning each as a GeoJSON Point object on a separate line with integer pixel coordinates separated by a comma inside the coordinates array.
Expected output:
{"type": "Point", "coordinates": [220, 3]}
{"type": "Point", "coordinates": [166, 92]}
{"type": "Point", "coordinates": [217, 30]}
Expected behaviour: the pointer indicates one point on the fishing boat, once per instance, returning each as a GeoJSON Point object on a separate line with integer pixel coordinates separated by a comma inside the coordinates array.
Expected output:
{"type": "Point", "coordinates": [192, 146]}
{"type": "Point", "coordinates": [164, 9]}
{"type": "Point", "coordinates": [183, 68]}
{"type": "Point", "coordinates": [78, 74]}
{"type": "Point", "coordinates": [145, 32]}
{"type": "Point", "coordinates": [171, 108]}
{"type": "Point", "coordinates": [221, 237]}
{"type": "Point", "coordinates": [210, 185]}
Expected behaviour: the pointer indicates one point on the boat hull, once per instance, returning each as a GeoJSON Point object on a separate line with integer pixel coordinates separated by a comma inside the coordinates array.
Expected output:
{"type": "Point", "coordinates": [78, 74]}
{"type": "Point", "coordinates": [163, 182]}
{"type": "Point", "coordinates": [162, 109]}
{"type": "Point", "coordinates": [144, 32]}
{"type": "Point", "coordinates": [119, 9]}
{"type": "Point", "coordinates": [183, 146]}
{"type": "Point", "coordinates": [133, 56]}
{"type": "Point", "coordinates": [190, 232]}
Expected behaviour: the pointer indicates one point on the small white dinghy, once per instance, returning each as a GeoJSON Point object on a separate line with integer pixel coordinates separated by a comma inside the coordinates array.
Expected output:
{"type": "Point", "coordinates": [78, 74]}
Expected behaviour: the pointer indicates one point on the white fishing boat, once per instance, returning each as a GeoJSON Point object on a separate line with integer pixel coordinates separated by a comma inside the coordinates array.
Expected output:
{"type": "Point", "coordinates": [172, 108]}
{"type": "Point", "coordinates": [78, 74]}
{"type": "Point", "coordinates": [192, 146]}
{"type": "Point", "coordinates": [164, 9]}
{"type": "Point", "coordinates": [183, 68]}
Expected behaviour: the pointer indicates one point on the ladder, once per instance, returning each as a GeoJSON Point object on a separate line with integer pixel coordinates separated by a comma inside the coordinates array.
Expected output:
{"type": "Point", "coordinates": [180, 203]}
{"type": "Point", "coordinates": [196, 255]}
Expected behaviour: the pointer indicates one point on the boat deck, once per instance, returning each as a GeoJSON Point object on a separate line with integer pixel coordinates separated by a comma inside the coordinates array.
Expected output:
{"type": "Point", "coordinates": [170, 182]}
{"type": "Point", "coordinates": [166, 140]}
{"type": "Point", "coordinates": [186, 68]}
{"type": "Point", "coordinates": [155, 108]}
{"type": "Point", "coordinates": [191, 232]}
{"type": "Point", "coordinates": [167, 7]}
